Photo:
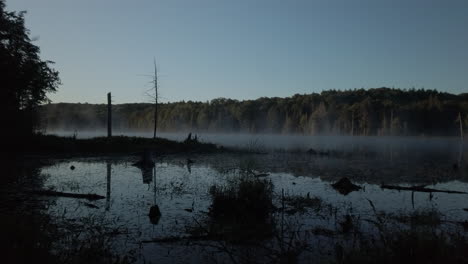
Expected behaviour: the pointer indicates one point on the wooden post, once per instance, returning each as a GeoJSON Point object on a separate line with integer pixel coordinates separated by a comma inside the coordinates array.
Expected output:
{"type": "Point", "coordinates": [109, 115]}
{"type": "Point", "coordinates": [352, 123]}
{"type": "Point", "coordinates": [460, 155]}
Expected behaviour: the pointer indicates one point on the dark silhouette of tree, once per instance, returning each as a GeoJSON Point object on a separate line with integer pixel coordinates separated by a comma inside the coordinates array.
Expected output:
{"type": "Point", "coordinates": [155, 96]}
{"type": "Point", "coordinates": [25, 79]}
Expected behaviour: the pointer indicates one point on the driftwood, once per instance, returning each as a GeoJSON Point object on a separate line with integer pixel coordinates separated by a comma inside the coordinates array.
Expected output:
{"type": "Point", "coordinates": [91, 205]}
{"type": "Point", "coordinates": [174, 239]}
{"type": "Point", "coordinates": [89, 196]}
{"type": "Point", "coordinates": [418, 189]}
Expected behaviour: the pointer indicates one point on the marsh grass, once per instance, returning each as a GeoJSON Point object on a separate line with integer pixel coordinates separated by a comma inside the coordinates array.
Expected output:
{"type": "Point", "coordinates": [242, 208]}
{"type": "Point", "coordinates": [410, 246]}
{"type": "Point", "coordinates": [422, 240]}
{"type": "Point", "coordinates": [89, 239]}
{"type": "Point", "coordinates": [299, 203]}
{"type": "Point", "coordinates": [29, 234]}
{"type": "Point", "coordinates": [420, 218]}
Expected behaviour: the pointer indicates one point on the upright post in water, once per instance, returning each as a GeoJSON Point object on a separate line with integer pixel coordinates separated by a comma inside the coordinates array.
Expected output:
{"type": "Point", "coordinates": [109, 115]}
{"type": "Point", "coordinates": [460, 155]}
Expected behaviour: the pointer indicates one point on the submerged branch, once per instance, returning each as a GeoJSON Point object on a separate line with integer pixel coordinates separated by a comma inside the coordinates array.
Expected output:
{"type": "Point", "coordinates": [174, 239]}
{"type": "Point", "coordinates": [89, 196]}
{"type": "Point", "coordinates": [418, 189]}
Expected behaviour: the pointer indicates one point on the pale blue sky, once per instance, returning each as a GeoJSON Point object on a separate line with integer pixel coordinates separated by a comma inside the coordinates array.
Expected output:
{"type": "Point", "coordinates": [248, 49]}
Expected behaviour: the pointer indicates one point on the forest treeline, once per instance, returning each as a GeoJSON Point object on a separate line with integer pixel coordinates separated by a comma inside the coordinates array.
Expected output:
{"type": "Point", "coordinates": [379, 111]}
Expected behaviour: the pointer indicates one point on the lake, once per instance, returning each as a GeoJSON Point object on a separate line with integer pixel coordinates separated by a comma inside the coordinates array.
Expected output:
{"type": "Point", "coordinates": [180, 186]}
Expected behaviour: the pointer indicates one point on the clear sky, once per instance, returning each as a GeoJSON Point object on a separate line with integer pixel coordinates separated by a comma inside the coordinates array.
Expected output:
{"type": "Point", "coordinates": [245, 49]}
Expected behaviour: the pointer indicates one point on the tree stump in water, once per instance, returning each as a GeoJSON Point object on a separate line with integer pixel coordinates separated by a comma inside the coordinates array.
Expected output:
{"type": "Point", "coordinates": [345, 186]}
{"type": "Point", "coordinates": [146, 160]}
{"type": "Point", "coordinates": [154, 214]}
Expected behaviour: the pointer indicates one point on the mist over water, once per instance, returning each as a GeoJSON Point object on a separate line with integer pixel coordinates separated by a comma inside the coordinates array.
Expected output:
{"type": "Point", "coordinates": [295, 164]}
{"type": "Point", "coordinates": [271, 142]}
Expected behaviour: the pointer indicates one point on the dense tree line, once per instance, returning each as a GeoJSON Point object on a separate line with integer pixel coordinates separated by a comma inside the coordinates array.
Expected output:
{"type": "Point", "coordinates": [25, 78]}
{"type": "Point", "coordinates": [380, 111]}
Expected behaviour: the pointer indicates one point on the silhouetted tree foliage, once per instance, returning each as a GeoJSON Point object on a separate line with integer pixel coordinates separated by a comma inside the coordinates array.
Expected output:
{"type": "Point", "coordinates": [25, 79]}
{"type": "Point", "coordinates": [380, 111]}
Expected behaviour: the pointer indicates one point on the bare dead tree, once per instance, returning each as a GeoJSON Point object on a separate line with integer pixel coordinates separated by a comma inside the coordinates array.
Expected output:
{"type": "Point", "coordinates": [155, 80]}
{"type": "Point", "coordinates": [153, 94]}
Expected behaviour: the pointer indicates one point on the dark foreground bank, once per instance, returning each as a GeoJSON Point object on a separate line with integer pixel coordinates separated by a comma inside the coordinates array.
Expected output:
{"type": "Point", "coordinates": [72, 146]}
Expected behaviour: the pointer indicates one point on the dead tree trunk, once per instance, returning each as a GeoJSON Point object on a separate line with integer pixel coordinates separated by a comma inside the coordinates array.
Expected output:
{"type": "Point", "coordinates": [109, 115]}
{"type": "Point", "coordinates": [155, 98]}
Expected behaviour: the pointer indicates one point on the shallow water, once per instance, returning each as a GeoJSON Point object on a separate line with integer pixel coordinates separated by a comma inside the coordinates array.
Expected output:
{"type": "Point", "coordinates": [181, 191]}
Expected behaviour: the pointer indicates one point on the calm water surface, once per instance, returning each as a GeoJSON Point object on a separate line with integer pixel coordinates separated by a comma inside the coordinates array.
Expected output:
{"type": "Point", "coordinates": [181, 191]}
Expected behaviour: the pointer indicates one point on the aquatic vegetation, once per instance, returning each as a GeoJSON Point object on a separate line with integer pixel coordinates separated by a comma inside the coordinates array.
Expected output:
{"type": "Point", "coordinates": [242, 207]}
{"type": "Point", "coordinates": [29, 235]}
{"type": "Point", "coordinates": [409, 246]}
{"type": "Point", "coordinates": [242, 218]}
{"type": "Point", "coordinates": [420, 217]}
{"type": "Point", "coordinates": [420, 241]}
{"type": "Point", "coordinates": [299, 203]}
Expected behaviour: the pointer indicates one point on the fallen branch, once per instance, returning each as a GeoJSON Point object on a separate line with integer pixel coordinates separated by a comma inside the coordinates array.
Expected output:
{"type": "Point", "coordinates": [89, 196]}
{"type": "Point", "coordinates": [418, 189]}
{"type": "Point", "coordinates": [174, 239]}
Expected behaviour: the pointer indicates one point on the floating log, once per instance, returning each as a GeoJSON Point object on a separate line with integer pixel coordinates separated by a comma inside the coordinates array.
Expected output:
{"type": "Point", "coordinates": [174, 239]}
{"type": "Point", "coordinates": [418, 189]}
{"type": "Point", "coordinates": [91, 205]}
{"type": "Point", "coordinates": [89, 196]}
